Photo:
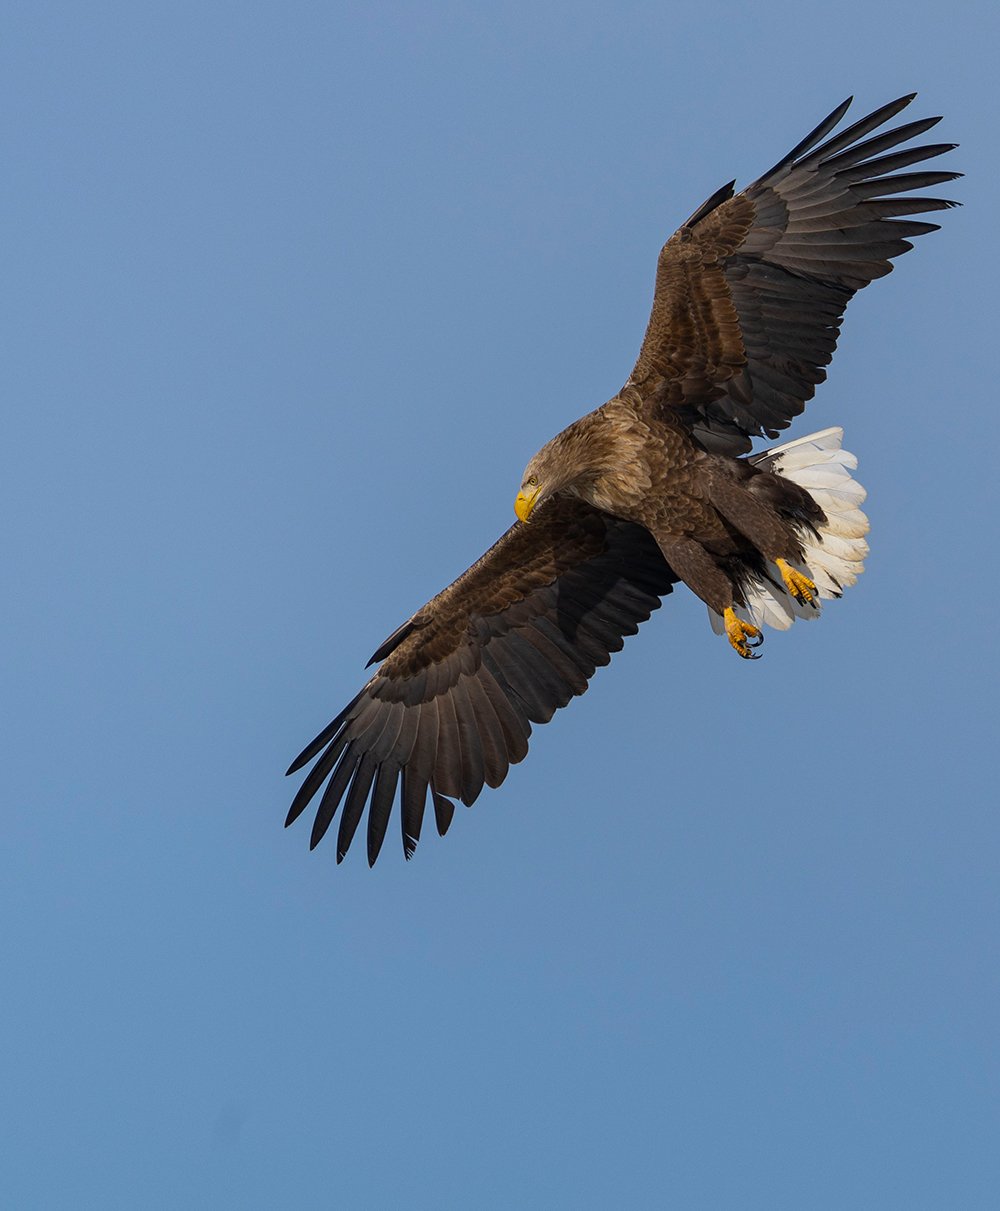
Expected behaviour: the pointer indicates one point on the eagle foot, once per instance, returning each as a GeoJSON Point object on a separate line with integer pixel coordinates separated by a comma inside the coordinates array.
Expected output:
{"type": "Point", "coordinates": [800, 586]}
{"type": "Point", "coordinates": [744, 636]}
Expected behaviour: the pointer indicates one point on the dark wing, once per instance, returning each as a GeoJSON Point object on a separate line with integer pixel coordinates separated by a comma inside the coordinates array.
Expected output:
{"type": "Point", "coordinates": [513, 639]}
{"type": "Point", "coordinates": [751, 291]}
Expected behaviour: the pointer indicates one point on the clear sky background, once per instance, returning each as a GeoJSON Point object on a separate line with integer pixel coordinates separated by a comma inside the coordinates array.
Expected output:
{"type": "Point", "coordinates": [291, 293]}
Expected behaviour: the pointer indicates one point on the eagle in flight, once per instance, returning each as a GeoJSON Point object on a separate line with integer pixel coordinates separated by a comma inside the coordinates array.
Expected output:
{"type": "Point", "coordinates": [655, 487]}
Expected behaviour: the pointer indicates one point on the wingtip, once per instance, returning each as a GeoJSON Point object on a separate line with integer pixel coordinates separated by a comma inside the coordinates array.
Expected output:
{"type": "Point", "coordinates": [444, 812]}
{"type": "Point", "coordinates": [895, 106]}
{"type": "Point", "coordinates": [319, 828]}
{"type": "Point", "coordinates": [374, 849]}
{"type": "Point", "coordinates": [297, 808]}
{"type": "Point", "coordinates": [840, 110]}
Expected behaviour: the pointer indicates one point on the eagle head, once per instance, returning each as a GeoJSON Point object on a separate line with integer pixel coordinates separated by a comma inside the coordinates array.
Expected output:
{"type": "Point", "coordinates": [579, 461]}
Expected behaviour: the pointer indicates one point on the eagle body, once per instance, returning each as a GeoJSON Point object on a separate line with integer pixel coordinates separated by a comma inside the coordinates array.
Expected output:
{"type": "Point", "coordinates": [716, 519]}
{"type": "Point", "coordinates": [658, 486]}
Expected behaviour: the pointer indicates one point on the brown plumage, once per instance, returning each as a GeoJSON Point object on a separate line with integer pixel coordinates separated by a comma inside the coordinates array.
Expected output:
{"type": "Point", "coordinates": [648, 489]}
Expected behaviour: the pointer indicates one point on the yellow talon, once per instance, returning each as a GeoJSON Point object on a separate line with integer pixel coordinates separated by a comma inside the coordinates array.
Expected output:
{"type": "Point", "coordinates": [800, 586]}
{"type": "Point", "coordinates": [739, 633]}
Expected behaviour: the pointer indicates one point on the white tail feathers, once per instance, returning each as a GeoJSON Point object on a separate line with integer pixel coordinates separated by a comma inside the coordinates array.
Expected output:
{"type": "Point", "coordinates": [834, 559]}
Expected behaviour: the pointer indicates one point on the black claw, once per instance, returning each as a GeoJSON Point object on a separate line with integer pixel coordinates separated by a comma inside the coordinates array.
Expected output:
{"type": "Point", "coordinates": [746, 653]}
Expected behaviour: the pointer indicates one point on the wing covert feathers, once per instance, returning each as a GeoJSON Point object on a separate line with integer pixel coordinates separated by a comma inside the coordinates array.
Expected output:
{"type": "Point", "coordinates": [751, 292]}
{"type": "Point", "coordinates": [512, 640]}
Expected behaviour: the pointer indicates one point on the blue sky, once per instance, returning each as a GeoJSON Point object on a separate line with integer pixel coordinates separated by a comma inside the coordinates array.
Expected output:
{"type": "Point", "coordinates": [292, 293]}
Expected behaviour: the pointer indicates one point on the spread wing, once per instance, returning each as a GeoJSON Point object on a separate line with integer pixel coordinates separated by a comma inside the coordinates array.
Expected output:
{"type": "Point", "coordinates": [514, 638]}
{"type": "Point", "coordinates": [751, 291]}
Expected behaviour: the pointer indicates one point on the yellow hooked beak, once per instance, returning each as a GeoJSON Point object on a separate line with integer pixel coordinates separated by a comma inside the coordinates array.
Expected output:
{"type": "Point", "coordinates": [525, 502]}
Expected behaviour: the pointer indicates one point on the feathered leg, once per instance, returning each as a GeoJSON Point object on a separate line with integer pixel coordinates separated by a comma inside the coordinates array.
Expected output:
{"type": "Point", "coordinates": [699, 571]}
{"type": "Point", "coordinates": [761, 525]}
